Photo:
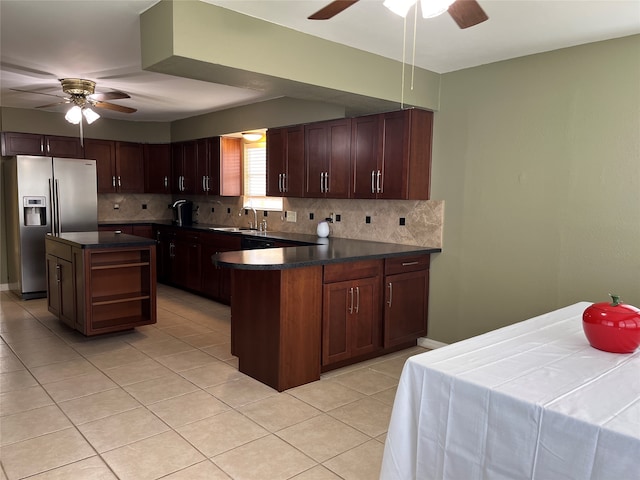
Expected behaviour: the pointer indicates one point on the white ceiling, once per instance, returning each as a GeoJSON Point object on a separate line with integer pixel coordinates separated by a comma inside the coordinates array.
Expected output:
{"type": "Point", "coordinates": [42, 41]}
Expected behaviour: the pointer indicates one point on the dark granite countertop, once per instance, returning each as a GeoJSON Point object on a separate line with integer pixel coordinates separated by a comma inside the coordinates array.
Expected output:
{"type": "Point", "coordinates": [102, 239]}
{"type": "Point", "coordinates": [312, 250]}
{"type": "Point", "coordinates": [325, 251]}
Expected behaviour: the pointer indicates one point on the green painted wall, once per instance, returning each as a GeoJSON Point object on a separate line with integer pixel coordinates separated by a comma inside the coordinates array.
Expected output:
{"type": "Point", "coordinates": [538, 161]}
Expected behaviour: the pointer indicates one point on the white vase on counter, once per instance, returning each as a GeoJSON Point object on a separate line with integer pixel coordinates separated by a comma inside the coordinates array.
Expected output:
{"type": "Point", "coordinates": [323, 229]}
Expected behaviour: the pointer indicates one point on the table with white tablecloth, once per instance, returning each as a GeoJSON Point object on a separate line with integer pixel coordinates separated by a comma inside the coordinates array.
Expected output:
{"type": "Point", "coordinates": [531, 400]}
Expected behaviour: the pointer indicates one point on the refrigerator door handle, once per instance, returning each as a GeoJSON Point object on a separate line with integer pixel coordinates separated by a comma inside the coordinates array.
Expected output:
{"type": "Point", "coordinates": [53, 218]}
{"type": "Point", "coordinates": [57, 207]}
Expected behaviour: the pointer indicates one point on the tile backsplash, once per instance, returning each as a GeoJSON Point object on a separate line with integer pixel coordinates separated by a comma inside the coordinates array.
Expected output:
{"type": "Point", "coordinates": [411, 222]}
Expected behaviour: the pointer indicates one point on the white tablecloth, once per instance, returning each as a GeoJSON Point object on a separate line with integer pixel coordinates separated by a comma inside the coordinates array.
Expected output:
{"type": "Point", "coordinates": [529, 401]}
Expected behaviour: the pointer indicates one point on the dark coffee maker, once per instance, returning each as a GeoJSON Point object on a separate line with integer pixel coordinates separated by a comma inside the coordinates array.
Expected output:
{"type": "Point", "coordinates": [182, 212]}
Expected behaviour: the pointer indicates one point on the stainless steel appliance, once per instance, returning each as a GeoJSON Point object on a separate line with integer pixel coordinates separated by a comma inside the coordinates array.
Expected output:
{"type": "Point", "coordinates": [44, 195]}
{"type": "Point", "coordinates": [182, 212]}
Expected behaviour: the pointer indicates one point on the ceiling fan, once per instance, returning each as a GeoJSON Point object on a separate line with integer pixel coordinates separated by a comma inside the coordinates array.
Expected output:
{"type": "Point", "coordinates": [466, 13]}
{"type": "Point", "coordinates": [81, 94]}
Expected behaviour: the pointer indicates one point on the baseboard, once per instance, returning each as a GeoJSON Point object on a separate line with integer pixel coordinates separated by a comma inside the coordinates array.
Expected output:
{"type": "Point", "coordinates": [431, 344]}
{"type": "Point", "coordinates": [4, 287]}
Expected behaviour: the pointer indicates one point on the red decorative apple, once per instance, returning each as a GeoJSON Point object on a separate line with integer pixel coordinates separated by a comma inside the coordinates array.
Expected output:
{"type": "Point", "coordinates": [612, 327]}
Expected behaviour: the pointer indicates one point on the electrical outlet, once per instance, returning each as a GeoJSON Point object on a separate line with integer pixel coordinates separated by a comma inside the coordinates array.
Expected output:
{"type": "Point", "coordinates": [292, 216]}
{"type": "Point", "coordinates": [144, 206]}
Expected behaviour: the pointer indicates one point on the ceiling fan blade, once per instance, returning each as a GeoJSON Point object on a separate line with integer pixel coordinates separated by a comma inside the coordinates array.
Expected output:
{"type": "Point", "coordinates": [332, 9]}
{"type": "Point", "coordinates": [115, 95]}
{"type": "Point", "coordinates": [54, 104]}
{"type": "Point", "coordinates": [467, 13]}
{"type": "Point", "coordinates": [37, 93]}
{"type": "Point", "coordinates": [114, 107]}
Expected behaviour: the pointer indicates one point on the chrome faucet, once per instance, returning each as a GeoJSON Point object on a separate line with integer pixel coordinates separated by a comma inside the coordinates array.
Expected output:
{"type": "Point", "coordinates": [253, 224]}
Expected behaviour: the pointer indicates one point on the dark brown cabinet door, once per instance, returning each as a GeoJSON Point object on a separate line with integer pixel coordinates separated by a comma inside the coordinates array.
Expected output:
{"type": "Point", "coordinates": [130, 167]}
{"type": "Point", "coordinates": [365, 151]}
{"type": "Point", "coordinates": [286, 161]}
{"type": "Point", "coordinates": [328, 159]}
{"type": "Point", "coordinates": [157, 168]}
{"type": "Point", "coordinates": [14, 143]}
{"type": "Point", "coordinates": [351, 324]}
{"type": "Point", "coordinates": [60, 290]}
{"type": "Point", "coordinates": [165, 241]}
{"type": "Point", "coordinates": [230, 166]}
{"type": "Point", "coordinates": [204, 166]}
{"type": "Point", "coordinates": [394, 168]}
{"type": "Point", "coordinates": [104, 153]}
{"type": "Point", "coordinates": [184, 167]}
{"type": "Point", "coordinates": [276, 138]}
{"type": "Point", "coordinates": [187, 261]}
{"type": "Point", "coordinates": [406, 307]}
{"type": "Point", "coordinates": [69, 147]}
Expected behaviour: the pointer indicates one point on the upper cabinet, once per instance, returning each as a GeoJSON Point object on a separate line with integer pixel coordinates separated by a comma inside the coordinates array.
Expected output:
{"type": "Point", "coordinates": [14, 143]}
{"type": "Point", "coordinates": [327, 158]}
{"type": "Point", "coordinates": [184, 167]}
{"type": "Point", "coordinates": [386, 156]}
{"type": "Point", "coordinates": [229, 160]}
{"type": "Point", "coordinates": [157, 168]}
{"type": "Point", "coordinates": [119, 165]}
{"type": "Point", "coordinates": [391, 155]}
{"type": "Point", "coordinates": [208, 166]}
{"type": "Point", "coordinates": [285, 161]}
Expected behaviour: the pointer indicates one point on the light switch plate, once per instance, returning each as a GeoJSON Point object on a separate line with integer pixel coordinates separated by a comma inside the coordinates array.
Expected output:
{"type": "Point", "coordinates": [292, 216]}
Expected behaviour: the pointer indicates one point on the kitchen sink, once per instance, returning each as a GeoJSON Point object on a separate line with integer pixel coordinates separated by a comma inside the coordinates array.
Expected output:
{"type": "Point", "coordinates": [230, 229]}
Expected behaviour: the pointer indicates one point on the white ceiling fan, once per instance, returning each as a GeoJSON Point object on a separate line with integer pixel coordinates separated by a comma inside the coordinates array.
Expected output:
{"type": "Point", "coordinates": [466, 13]}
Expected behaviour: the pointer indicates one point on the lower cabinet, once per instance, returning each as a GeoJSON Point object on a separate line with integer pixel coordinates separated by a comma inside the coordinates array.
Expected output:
{"type": "Point", "coordinates": [186, 269]}
{"type": "Point", "coordinates": [101, 290]}
{"type": "Point", "coordinates": [352, 313]}
{"type": "Point", "coordinates": [216, 281]}
{"type": "Point", "coordinates": [60, 285]}
{"type": "Point", "coordinates": [406, 284]}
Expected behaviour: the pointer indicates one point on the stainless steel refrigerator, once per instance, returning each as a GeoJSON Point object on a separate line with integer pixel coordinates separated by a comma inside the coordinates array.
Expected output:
{"type": "Point", "coordinates": [44, 195]}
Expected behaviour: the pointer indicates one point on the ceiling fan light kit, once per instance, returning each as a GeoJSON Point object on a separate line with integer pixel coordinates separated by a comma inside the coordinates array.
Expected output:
{"type": "Point", "coordinates": [430, 8]}
{"type": "Point", "coordinates": [466, 13]}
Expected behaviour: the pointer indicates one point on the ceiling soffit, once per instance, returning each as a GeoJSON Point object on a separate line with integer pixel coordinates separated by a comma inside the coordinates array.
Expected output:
{"type": "Point", "coordinates": [205, 42]}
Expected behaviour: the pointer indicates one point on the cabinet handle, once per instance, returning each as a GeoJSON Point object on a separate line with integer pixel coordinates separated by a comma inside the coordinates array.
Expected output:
{"type": "Point", "coordinates": [357, 299]}
{"type": "Point", "coordinates": [119, 181]}
{"type": "Point", "coordinates": [351, 302]}
{"type": "Point", "coordinates": [58, 274]}
{"type": "Point", "coordinates": [113, 181]}
{"type": "Point", "coordinates": [172, 250]}
{"type": "Point", "coordinates": [182, 183]}
{"type": "Point", "coordinates": [373, 181]}
{"type": "Point", "coordinates": [326, 182]}
{"type": "Point", "coordinates": [379, 186]}
{"type": "Point", "coordinates": [42, 145]}
{"type": "Point", "coordinates": [208, 183]}
{"type": "Point", "coordinates": [280, 182]}
{"type": "Point", "coordinates": [406, 264]}
{"type": "Point", "coordinates": [166, 182]}
{"type": "Point", "coordinates": [204, 183]}
{"type": "Point", "coordinates": [285, 184]}
{"type": "Point", "coordinates": [322, 182]}
{"type": "Point", "coordinates": [390, 285]}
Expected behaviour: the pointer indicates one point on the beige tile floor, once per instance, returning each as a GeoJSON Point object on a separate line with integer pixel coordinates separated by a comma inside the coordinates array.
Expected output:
{"type": "Point", "coordinates": [167, 401]}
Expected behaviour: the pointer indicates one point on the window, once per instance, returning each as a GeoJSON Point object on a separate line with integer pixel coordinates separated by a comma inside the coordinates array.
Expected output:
{"type": "Point", "coordinates": [255, 179]}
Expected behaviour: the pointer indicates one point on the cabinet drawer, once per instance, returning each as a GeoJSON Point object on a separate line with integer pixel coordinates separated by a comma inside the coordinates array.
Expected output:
{"type": "Point", "coordinates": [339, 272]}
{"type": "Point", "coordinates": [221, 241]}
{"type": "Point", "coordinates": [59, 250]}
{"type": "Point", "coordinates": [406, 264]}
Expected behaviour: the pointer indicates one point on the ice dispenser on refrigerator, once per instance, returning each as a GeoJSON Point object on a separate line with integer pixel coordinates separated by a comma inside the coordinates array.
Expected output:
{"type": "Point", "coordinates": [35, 211]}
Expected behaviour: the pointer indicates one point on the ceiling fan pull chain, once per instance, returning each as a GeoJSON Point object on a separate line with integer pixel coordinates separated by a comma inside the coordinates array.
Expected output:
{"type": "Point", "coordinates": [413, 59]}
{"type": "Point", "coordinates": [81, 137]}
{"type": "Point", "coordinates": [404, 49]}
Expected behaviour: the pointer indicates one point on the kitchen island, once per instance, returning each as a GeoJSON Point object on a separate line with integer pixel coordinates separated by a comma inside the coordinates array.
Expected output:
{"type": "Point", "coordinates": [100, 282]}
{"type": "Point", "coordinates": [299, 311]}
